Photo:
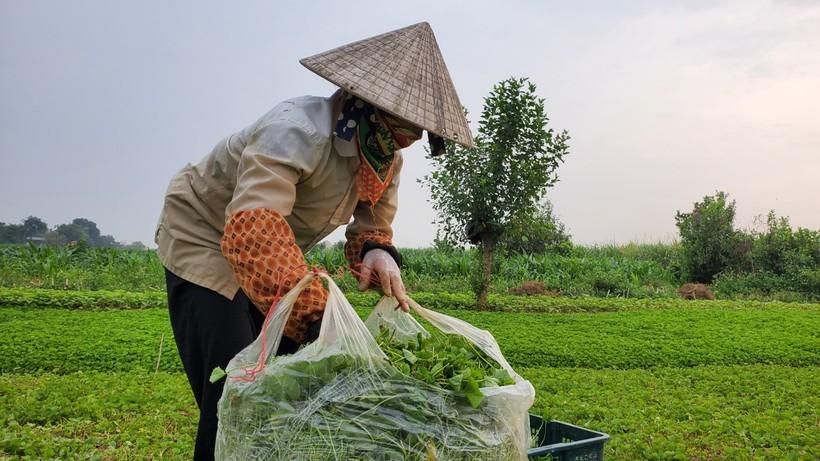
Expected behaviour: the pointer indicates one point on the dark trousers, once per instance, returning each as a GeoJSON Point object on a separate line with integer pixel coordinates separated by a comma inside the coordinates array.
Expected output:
{"type": "Point", "coordinates": [209, 330]}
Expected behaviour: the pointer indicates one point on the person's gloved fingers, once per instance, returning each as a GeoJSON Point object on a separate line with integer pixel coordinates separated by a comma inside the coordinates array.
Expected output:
{"type": "Point", "coordinates": [364, 277]}
{"type": "Point", "coordinates": [384, 278]}
{"type": "Point", "coordinates": [399, 292]}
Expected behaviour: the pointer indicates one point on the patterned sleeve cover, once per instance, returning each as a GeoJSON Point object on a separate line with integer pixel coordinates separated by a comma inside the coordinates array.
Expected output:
{"type": "Point", "coordinates": [261, 248]}
{"type": "Point", "coordinates": [355, 244]}
{"type": "Point", "coordinates": [257, 242]}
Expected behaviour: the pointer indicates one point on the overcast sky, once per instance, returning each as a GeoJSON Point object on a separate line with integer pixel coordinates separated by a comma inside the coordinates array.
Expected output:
{"type": "Point", "coordinates": [102, 102]}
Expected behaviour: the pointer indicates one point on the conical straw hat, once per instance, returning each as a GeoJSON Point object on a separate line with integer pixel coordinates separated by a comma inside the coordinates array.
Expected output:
{"type": "Point", "coordinates": [403, 73]}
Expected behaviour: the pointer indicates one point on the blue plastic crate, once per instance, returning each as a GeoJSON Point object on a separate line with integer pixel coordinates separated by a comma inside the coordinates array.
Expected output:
{"type": "Point", "coordinates": [566, 442]}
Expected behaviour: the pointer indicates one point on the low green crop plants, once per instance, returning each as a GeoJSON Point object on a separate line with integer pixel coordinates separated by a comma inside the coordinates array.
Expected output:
{"type": "Point", "coordinates": [783, 333]}
{"type": "Point", "coordinates": [118, 299]}
{"type": "Point", "coordinates": [687, 380]}
{"type": "Point", "coordinates": [743, 412]}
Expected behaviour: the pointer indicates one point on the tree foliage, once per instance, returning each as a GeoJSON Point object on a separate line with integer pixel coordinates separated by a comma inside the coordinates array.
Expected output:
{"type": "Point", "coordinates": [34, 227]}
{"type": "Point", "coordinates": [11, 233]}
{"type": "Point", "coordinates": [780, 250]}
{"type": "Point", "coordinates": [506, 173]}
{"type": "Point", "coordinates": [78, 230]}
{"type": "Point", "coordinates": [711, 246]}
{"type": "Point", "coordinates": [709, 242]}
{"type": "Point", "coordinates": [537, 233]}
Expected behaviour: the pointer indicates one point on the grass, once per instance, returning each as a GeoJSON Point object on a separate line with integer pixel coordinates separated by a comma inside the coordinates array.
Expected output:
{"type": "Point", "coordinates": [734, 412]}
{"type": "Point", "coordinates": [64, 341]}
{"type": "Point", "coordinates": [97, 416]}
{"type": "Point", "coordinates": [630, 270]}
{"type": "Point", "coordinates": [667, 379]}
{"type": "Point", "coordinates": [118, 299]}
{"type": "Point", "coordinates": [755, 412]}
{"type": "Point", "coordinates": [80, 267]}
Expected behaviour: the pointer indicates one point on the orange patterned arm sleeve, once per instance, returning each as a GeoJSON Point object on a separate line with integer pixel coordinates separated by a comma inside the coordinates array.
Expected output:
{"type": "Point", "coordinates": [356, 243]}
{"type": "Point", "coordinates": [261, 248]}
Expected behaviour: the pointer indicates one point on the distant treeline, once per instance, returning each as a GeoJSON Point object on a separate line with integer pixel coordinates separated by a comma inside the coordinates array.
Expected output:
{"type": "Point", "coordinates": [35, 230]}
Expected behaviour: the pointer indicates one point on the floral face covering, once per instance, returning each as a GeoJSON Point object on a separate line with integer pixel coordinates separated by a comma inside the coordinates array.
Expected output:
{"type": "Point", "coordinates": [378, 136]}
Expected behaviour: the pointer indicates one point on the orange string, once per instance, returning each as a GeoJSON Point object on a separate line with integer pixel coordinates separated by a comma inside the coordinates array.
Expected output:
{"type": "Point", "coordinates": [250, 373]}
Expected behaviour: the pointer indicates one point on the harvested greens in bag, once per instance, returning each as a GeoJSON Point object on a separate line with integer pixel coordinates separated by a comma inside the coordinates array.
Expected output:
{"type": "Point", "coordinates": [445, 395]}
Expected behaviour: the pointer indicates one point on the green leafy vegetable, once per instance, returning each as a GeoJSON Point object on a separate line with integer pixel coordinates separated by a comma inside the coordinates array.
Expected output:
{"type": "Point", "coordinates": [217, 374]}
{"type": "Point", "coordinates": [446, 361]}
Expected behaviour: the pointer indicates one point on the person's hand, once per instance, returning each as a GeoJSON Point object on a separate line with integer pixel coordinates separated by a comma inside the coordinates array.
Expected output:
{"type": "Point", "coordinates": [379, 262]}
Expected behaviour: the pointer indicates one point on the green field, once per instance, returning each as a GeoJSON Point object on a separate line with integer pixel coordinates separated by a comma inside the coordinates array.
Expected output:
{"type": "Point", "coordinates": [90, 370]}
{"type": "Point", "coordinates": [119, 299]}
{"type": "Point", "coordinates": [124, 340]}
{"type": "Point", "coordinates": [691, 381]}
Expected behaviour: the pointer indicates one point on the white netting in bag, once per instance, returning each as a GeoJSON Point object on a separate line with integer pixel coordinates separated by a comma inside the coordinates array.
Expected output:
{"type": "Point", "coordinates": [341, 398]}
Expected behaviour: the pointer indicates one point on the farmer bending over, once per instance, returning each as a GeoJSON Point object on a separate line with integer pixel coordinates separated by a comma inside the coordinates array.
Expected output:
{"type": "Point", "coordinates": [235, 226]}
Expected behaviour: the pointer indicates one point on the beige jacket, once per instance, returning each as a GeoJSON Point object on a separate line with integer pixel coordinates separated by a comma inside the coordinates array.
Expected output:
{"type": "Point", "coordinates": [289, 161]}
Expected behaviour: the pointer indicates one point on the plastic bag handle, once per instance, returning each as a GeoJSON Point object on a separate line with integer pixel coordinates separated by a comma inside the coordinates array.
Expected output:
{"type": "Point", "coordinates": [284, 308]}
{"type": "Point", "coordinates": [341, 328]}
{"type": "Point", "coordinates": [339, 321]}
{"type": "Point", "coordinates": [272, 330]}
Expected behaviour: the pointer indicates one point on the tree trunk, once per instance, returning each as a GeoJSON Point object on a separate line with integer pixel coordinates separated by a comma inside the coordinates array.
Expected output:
{"type": "Point", "coordinates": [487, 250]}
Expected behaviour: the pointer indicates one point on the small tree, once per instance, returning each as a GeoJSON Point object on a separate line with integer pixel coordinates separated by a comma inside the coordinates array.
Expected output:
{"type": "Point", "coordinates": [478, 192]}
{"type": "Point", "coordinates": [709, 241]}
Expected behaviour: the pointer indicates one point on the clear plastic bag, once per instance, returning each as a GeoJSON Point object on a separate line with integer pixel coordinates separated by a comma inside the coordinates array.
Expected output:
{"type": "Point", "coordinates": [339, 398]}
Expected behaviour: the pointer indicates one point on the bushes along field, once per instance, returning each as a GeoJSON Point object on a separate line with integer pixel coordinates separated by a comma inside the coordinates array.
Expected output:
{"type": "Point", "coordinates": [632, 270]}
{"type": "Point", "coordinates": [86, 268]}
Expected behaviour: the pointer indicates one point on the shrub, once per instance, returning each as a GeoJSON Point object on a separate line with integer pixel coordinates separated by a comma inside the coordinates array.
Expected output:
{"type": "Point", "coordinates": [611, 283]}
{"type": "Point", "coordinates": [536, 233]}
{"type": "Point", "coordinates": [780, 250]}
{"type": "Point", "coordinates": [768, 285]}
{"type": "Point", "coordinates": [709, 242]}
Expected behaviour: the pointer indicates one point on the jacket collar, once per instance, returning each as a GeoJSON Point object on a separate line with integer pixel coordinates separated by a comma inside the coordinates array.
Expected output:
{"type": "Point", "coordinates": [343, 148]}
